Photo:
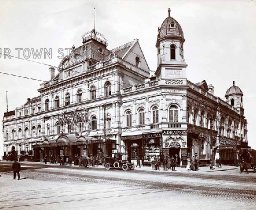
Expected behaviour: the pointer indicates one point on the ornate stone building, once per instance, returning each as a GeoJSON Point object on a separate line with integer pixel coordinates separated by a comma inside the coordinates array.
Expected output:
{"type": "Point", "coordinates": [103, 102]}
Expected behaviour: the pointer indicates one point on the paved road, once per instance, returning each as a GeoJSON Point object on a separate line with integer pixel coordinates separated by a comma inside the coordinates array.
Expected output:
{"type": "Point", "coordinates": [69, 188]}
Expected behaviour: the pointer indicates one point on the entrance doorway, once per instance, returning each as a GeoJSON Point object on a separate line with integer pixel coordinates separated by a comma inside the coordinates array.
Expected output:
{"type": "Point", "coordinates": [175, 152]}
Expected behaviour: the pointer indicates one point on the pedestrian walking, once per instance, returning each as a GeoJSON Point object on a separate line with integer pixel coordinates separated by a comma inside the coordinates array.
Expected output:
{"type": "Point", "coordinates": [45, 160]}
{"type": "Point", "coordinates": [168, 162]}
{"type": "Point", "coordinates": [165, 163]}
{"type": "Point", "coordinates": [16, 169]}
{"type": "Point", "coordinates": [173, 163]}
{"type": "Point", "coordinates": [138, 162]}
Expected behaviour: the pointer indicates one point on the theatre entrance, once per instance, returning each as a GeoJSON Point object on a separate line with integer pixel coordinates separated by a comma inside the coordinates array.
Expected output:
{"type": "Point", "coordinates": [175, 152]}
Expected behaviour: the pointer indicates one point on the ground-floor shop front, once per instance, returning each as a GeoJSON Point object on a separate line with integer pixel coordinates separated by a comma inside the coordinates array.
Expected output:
{"type": "Point", "coordinates": [69, 148]}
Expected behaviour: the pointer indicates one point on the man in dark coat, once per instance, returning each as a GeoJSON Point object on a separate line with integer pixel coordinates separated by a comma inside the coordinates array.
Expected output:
{"type": "Point", "coordinates": [16, 169]}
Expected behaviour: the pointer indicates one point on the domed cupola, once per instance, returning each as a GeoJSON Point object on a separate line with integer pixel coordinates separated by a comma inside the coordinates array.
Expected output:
{"type": "Point", "coordinates": [234, 90]}
{"type": "Point", "coordinates": [170, 29]}
{"type": "Point", "coordinates": [234, 96]}
{"type": "Point", "coordinates": [170, 58]}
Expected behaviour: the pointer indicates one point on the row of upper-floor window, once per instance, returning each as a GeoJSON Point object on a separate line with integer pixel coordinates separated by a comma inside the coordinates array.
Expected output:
{"type": "Point", "coordinates": [67, 100]}
{"type": "Point", "coordinates": [173, 115]}
{"type": "Point", "coordinates": [93, 123]}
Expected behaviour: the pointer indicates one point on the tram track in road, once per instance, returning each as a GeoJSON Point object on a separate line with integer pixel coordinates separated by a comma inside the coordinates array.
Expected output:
{"type": "Point", "coordinates": [207, 190]}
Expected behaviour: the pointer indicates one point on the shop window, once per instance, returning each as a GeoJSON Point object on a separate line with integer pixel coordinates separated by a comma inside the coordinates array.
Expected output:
{"type": "Point", "coordinates": [57, 102]}
{"type": "Point", "coordinates": [173, 114]}
{"type": "Point", "coordinates": [79, 95]}
{"type": "Point", "coordinates": [94, 122]}
{"type": "Point", "coordinates": [173, 52]}
{"type": "Point", "coordinates": [107, 88]}
{"type": "Point", "coordinates": [93, 92]}
{"type": "Point", "coordinates": [46, 105]}
{"type": "Point", "coordinates": [141, 116]}
{"type": "Point", "coordinates": [67, 99]}
{"type": "Point", "coordinates": [128, 115]}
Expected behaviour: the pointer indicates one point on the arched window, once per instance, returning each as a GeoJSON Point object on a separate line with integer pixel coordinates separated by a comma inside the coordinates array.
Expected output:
{"type": "Point", "coordinates": [79, 95]}
{"type": "Point", "coordinates": [173, 114]}
{"type": "Point", "coordinates": [93, 92]}
{"type": "Point", "coordinates": [94, 122]}
{"type": "Point", "coordinates": [137, 61]}
{"type": "Point", "coordinates": [13, 134]}
{"type": "Point", "coordinates": [141, 116]}
{"type": "Point", "coordinates": [107, 88]}
{"type": "Point", "coordinates": [173, 52]}
{"type": "Point", "coordinates": [57, 102]}
{"type": "Point", "coordinates": [19, 133]}
{"type": "Point", "coordinates": [67, 99]}
{"type": "Point", "coordinates": [202, 119]}
{"type": "Point", "coordinates": [39, 130]}
{"type": "Point", "coordinates": [46, 105]}
{"type": "Point", "coordinates": [58, 127]}
{"type": "Point", "coordinates": [128, 116]}
{"type": "Point", "coordinates": [34, 131]}
{"type": "Point", "coordinates": [232, 102]}
{"type": "Point", "coordinates": [26, 132]}
{"type": "Point", "coordinates": [155, 114]}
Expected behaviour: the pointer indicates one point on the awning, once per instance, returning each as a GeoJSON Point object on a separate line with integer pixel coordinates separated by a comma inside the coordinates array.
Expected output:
{"type": "Point", "coordinates": [85, 140]}
{"type": "Point", "coordinates": [64, 140]}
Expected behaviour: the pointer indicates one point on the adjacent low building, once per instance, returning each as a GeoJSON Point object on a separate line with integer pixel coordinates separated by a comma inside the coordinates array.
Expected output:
{"type": "Point", "coordinates": [102, 102]}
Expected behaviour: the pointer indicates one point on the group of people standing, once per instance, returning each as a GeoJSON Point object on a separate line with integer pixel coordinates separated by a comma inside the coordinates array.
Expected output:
{"type": "Point", "coordinates": [167, 162]}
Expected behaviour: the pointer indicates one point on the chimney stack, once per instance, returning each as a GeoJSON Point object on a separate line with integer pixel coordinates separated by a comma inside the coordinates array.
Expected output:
{"type": "Point", "coordinates": [52, 72]}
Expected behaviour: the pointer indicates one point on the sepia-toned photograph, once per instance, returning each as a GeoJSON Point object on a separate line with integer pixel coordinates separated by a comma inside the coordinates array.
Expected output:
{"type": "Point", "coordinates": [127, 104]}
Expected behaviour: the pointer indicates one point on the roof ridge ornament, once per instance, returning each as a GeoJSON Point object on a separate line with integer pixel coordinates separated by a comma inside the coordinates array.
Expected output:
{"type": "Point", "coordinates": [169, 12]}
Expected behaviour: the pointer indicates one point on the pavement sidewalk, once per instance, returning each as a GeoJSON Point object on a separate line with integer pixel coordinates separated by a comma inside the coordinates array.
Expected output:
{"type": "Point", "coordinates": [202, 169]}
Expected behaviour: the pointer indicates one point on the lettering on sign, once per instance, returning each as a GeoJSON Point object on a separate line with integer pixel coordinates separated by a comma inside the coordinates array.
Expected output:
{"type": "Point", "coordinates": [174, 82]}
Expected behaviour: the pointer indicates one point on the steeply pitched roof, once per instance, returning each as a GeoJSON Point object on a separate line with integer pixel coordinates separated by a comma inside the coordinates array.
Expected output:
{"type": "Point", "coordinates": [123, 49]}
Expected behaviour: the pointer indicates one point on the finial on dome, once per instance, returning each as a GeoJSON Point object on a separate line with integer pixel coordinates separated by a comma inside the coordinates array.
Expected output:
{"type": "Point", "coordinates": [169, 12]}
{"type": "Point", "coordinates": [233, 83]}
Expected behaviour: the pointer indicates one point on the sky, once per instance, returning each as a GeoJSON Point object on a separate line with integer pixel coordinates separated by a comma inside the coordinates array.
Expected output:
{"type": "Point", "coordinates": [219, 48]}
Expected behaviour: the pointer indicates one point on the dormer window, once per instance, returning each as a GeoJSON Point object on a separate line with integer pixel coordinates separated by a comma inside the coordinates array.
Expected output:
{"type": "Point", "coordinates": [172, 25]}
{"type": "Point", "coordinates": [137, 61]}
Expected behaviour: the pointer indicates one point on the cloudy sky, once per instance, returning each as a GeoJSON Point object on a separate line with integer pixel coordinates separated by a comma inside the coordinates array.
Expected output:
{"type": "Point", "coordinates": [220, 38]}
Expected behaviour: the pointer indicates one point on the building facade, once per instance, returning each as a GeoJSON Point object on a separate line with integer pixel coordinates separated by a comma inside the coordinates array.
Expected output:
{"type": "Point", "coordinates": [102, 102]}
